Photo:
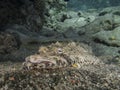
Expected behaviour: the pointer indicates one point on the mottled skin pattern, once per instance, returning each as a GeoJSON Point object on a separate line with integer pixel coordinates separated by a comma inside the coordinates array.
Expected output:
{"type": "Point", "coordinates": [60, 55]}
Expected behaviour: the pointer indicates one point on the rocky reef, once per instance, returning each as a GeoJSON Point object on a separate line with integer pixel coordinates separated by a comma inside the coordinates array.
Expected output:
{"type": "Point", "coordinates": [36, 22]}
{"type": "Point", "coordinates": [62, 66]}
{"type": "Point", "coordinates": [22, 13]}
{"type": "Point", "coordinates": [45, 45]}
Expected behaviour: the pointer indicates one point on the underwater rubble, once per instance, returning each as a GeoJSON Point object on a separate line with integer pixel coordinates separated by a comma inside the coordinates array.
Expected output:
{"type": "Point", "coordinates": [44, 45]}
{"type": "Point", "coordinates": [79, 69]}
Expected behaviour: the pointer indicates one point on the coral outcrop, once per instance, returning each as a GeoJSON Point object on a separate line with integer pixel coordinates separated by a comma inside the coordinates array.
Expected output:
{"type": "Point", "coordinates": [28, 13]}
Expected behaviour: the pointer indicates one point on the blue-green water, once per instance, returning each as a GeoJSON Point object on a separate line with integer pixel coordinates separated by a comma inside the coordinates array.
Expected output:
{"type": "Point", "coordinates": [87, 4]}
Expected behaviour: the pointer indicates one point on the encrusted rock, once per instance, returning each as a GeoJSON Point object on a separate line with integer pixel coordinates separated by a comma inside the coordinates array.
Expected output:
{"type": "Point", "coordinates": [110, 38]}
{"type": "Point", "coordinates": [8, 43]}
